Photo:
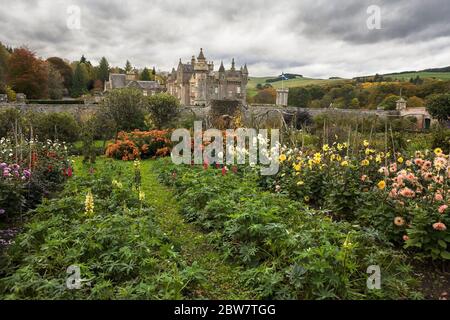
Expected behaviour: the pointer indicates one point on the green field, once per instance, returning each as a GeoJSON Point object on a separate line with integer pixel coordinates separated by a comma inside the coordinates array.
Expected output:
{"type": "Point", "coordinates": [423, 75]}
{"type": "Point", "coordinates": [292, 83]}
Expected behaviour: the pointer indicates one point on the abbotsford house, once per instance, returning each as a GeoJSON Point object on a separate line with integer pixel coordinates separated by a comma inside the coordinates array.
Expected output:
{"type": "Point", "coordinates": [130, 80]}
{"type": "Point", "coordinates": [196, 83]}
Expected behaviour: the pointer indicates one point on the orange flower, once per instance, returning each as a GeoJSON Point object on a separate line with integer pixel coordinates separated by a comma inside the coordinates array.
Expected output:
{"type": "Point", "coordinates": [439, 226]}
{"type": "Point", "coordinates": [399, 221]}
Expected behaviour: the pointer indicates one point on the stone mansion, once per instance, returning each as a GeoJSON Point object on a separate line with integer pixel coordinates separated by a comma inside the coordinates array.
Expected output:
{"type": "Point", "coordinates": [196, 83]}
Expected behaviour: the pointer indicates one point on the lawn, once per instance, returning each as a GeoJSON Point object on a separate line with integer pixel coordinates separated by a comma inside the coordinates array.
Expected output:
{"type": "Point", "coordinates": [292, 83]}
{"type": "Point", "coordinates": [423, 75]}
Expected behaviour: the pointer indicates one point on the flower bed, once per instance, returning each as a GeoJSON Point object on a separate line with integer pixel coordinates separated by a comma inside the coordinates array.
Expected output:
{"type": "Point", "coordinates": [101, 224]}
{"type": "Point", "coordinates": [288, 251]}
{"type": "Point", "coordinates": [29, 171]}
{"type": "Point", "coordinates": [140, 145]}
{"type": "Point", "coordinates": [404, 197]}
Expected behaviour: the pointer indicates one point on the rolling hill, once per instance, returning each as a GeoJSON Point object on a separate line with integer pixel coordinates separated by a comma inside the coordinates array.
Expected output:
{"type": "Point", "coordinates": [291, 83]}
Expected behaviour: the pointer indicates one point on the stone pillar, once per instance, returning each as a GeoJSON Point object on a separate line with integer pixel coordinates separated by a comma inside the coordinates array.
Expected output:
{"type": "Point", "coordinates": [282, 97]}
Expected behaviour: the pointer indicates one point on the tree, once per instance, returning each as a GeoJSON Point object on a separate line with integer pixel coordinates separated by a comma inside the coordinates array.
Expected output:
{"type": "Point", "coordinates": [60, 126]}
{"type": "Point", "coordinates": [438, 106]}
{"type": "Point", "coordinates": [128, 67]}
{"type": "Point", "coordinates": [80, 79]}
{"type": "Point", "coordinates": [299, 97]}
{"type": "Point", "coordinates": [145, 75]}
{"type": "Point", "coordinates": [126, 107]}
{"type": "Point", "coordinates": [390, 102]}
{"type": "Point", "coordinates": [266, 96]}
{"type": "Point", "coordinates": [64, 69]}
{"type": "Point", "coordinates": [415, 102]}
{"type": "Point", "coordinates": [103, 70]}
{"type": "Point", "coordinates": [55, 83]}
{"type": "Point", "coordinates": [154, 73]}
{"type": "Point", "coordinates": [354, 104]}
{"type": "Point", "coordinates": [27, 74]}
{"type": "Point", "coordinates": [4, 57]}
{"type": "Point", "coordinates": [163, 108]}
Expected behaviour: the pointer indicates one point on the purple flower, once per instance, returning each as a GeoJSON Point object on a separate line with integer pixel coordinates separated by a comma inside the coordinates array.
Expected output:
{"type": "Point", "coordinates": [3, 165]}
{"type": "Point", "coordinates": [15, 167]}
{"type": "Point", "coordinates": [27, 173]}
{"type": "Point", "coordinates": [2, 212]}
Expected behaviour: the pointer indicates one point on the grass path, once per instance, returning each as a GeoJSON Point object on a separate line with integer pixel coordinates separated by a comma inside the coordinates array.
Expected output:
{"type": "Point", "coordinates": [222, 278]}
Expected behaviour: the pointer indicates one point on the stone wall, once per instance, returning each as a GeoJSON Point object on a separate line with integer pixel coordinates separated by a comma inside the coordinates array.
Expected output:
{"type": "Point", "coordinates": [77, 110]}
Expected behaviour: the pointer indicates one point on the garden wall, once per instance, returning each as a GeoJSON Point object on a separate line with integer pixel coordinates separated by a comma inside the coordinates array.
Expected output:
{"type": "Point", "coordinates": [75, 109]}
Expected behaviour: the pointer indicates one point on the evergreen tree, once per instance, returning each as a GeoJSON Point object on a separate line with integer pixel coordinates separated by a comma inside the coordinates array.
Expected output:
{"type": "Point", "coordinates": [128, 67]}
{"type": "Point", "coordinates": [103, 70]}
{"type": "Point", "coordinates": [80, 79]}
{"type": "Point", "coordinates": [154, 73]}
{"type": "Point", "coordinates": [145, 75]}
{"type": "Point", "coordinates": [83, 59]}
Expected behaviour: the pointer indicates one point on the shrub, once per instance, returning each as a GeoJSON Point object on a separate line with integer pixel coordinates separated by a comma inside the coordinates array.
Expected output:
{"type": "Point", "coordinates": [140, 144]}
{"type": "Point", "coordinates": [163, 109]}
{"type": "Point", "coordinates": [60, 126]}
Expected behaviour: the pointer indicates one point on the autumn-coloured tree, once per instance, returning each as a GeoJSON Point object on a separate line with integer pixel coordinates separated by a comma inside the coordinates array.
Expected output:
{"type": "Point", "coordinates": [28, 74]}
{"type": "Point", "coordinates": [266, 96]}
{"type": "Point", "coordinates": [64, 69]}
{"type": "Point", "coordinates": [55, 83]}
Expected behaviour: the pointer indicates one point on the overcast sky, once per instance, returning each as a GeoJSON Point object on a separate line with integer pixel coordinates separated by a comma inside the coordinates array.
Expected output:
{"type": "Point", "coordinates": [316, 38]}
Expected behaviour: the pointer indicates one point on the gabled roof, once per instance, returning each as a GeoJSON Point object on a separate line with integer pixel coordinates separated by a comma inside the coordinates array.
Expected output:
{"type": "Point", "coordinates": [117, 80]}
{"type": "Point", "coordinates": [145, 85]}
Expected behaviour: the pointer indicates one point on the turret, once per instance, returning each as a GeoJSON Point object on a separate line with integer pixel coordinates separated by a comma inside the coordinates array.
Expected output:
{"type": "Point", "coordinates": [232, 65]}
{"type": "Point", "coordinates": [201, 56]}
{"type": "Point", "coordinates": [221, 68]}
{"type": "Point", "coordinates": [245, 70]}
{"type": "Point", "coordinates": [193, 60]}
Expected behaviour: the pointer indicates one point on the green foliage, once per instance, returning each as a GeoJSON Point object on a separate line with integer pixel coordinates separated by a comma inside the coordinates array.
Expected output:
{"type": "Point", "coordinates": [439, 106]}
{"type": "Point", "coordinates": [103, 70]}
{"type": "Point", "coordinates": [440, 138]}
{"type": "Point", "coordinates": [60, 126]}
{"type": "Point", "coordinates": [79, 81]}
{"type": "Point", "coordinates": [299, 97]}
{"type": "Point", "coordinates": [163, 109]}
{"type": "Point", "coordinates": [120, 249]}
{"type": "Point", "coordinates": [128, 67]}
{"type": "Point", "coordinates": [288, 250]}
{"type": "Point", "coordinates": [10, 93]}
{"type": "Point", "coordinates": [145, 75]}
{"type": "Point", "coordinates": [126, 108]}
{"type": "Point", "coordinates": [8, 119]}
{"type": "Point", "coordinates": [390, 102]}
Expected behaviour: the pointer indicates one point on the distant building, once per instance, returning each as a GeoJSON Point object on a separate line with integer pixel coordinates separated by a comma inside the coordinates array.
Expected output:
{"type": "Point", "coordinates": [282, 97]}
{"type": "Point", "coordinates": [196, 83]}
{"type": "Point", "coordinates": [130, 80]}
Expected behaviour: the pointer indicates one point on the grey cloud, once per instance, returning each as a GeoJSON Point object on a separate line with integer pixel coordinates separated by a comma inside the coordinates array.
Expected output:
{"type": "Point", "coordinates": [313, 37]}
